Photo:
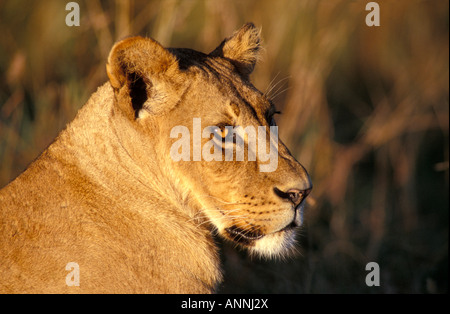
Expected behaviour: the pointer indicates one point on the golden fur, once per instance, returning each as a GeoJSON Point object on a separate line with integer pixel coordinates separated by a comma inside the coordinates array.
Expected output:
{"type": "Point", "coordinates": [107, 196]}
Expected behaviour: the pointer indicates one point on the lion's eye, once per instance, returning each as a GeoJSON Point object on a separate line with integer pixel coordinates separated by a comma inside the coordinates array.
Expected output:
{"type": "Point", "coordinates": [220, 132]}
{"type": "Point", "coordinates": [224, 133]}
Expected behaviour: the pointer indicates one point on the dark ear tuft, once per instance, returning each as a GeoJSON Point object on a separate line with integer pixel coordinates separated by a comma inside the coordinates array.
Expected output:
{"type": "Point", "coordinates": [242, 48]}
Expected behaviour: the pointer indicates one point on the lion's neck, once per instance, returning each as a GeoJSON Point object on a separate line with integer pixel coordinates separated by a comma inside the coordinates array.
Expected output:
{"type": "Point", "coordinates": [96, 142]}
{"type": "Point", "coordinates": [91, 147]}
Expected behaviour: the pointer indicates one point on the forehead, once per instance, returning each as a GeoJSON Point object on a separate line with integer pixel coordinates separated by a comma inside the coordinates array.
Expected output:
{"type": "Point", "coordinates": [222, 74]}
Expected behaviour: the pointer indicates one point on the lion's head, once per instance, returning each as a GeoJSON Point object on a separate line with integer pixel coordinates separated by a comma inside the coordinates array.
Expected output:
{"type": "Point", "coordinates": [215, 136]}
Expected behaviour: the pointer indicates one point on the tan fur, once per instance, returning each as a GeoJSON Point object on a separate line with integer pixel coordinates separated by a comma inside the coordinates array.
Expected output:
{"type": "Point", "coordinates": [107, 196]}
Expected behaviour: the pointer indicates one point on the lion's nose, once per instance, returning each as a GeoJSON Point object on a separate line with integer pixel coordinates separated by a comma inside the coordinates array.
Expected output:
{"type": "Point", "coordinates": [296, 196]}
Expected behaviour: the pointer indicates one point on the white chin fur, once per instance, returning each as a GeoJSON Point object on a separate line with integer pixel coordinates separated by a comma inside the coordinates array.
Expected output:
{"type": "Point", "coordinates": [275, 245]}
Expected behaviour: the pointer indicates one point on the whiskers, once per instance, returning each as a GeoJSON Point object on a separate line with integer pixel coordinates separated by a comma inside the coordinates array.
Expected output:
{"type": "Point", "coordinates": [226, 213]}
{"type": "Point", "coordinates": [243, 229]}
{"type": "Point", "coordinates": [276, 89]}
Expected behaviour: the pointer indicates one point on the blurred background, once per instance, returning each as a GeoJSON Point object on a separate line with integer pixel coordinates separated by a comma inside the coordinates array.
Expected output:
{"type": "Point", "coordinates": [364, 109]}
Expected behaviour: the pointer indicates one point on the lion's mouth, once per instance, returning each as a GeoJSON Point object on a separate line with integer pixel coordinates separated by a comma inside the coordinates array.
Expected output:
{"type": "Point", "coordinates": [243, 236]}
{"type": "Point", "coordinates": [246, 237]}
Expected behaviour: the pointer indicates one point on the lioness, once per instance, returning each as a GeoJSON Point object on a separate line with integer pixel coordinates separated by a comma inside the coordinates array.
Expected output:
{"type": "Point", "coordinates": [108, 197]}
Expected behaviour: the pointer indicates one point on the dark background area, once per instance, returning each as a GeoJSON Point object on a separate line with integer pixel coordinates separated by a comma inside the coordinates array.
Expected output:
{"type": "Point", "coordinates": [365, 110]}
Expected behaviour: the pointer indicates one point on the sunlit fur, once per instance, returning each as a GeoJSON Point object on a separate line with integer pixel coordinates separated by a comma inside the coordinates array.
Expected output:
{"type": "Point", "coordinates": [107, 195]}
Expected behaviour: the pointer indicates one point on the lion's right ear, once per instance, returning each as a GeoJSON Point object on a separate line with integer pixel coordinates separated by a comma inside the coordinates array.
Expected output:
{"type": "Point", "coordinates": [242, 48]}
{"type": "Point", "coordinates": [138, 69]}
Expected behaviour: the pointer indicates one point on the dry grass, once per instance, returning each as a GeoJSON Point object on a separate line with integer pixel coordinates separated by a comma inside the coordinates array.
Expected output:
{"type": "Point", "coordinates": [364, 109]}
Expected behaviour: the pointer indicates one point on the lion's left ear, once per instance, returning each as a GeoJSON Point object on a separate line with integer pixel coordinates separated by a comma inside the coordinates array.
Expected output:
{"type": "Point", "coordinates": [139, 70]}
{"type": "Point", "coordinates": [242, 48]}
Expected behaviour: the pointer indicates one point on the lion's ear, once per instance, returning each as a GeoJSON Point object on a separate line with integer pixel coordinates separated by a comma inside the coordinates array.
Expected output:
{"type": "Point", "coordinates": [242, 48]}
{"type": "Point", "coordinates": [137, 68]}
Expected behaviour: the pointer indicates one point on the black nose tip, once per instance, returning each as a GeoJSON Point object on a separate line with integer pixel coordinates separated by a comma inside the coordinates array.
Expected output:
{"type": "Point", "coordinates": [296, 196]}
